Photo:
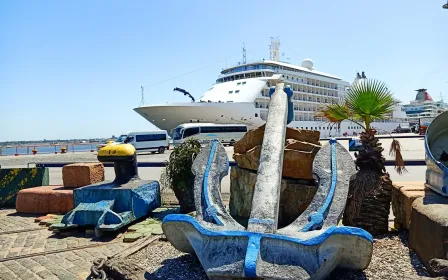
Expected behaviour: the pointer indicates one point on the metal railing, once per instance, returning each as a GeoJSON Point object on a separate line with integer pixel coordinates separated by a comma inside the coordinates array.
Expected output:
{"type": "Point", "coordinates": [47, 149]}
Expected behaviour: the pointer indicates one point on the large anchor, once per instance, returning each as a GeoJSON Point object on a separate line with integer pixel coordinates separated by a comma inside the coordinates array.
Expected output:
{"type": "Point", "coordinates": [309, 248]}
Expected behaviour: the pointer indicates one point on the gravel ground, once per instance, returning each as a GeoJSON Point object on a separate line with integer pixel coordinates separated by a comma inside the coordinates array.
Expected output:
{"type": "Point", "coordinates": [392, 259]}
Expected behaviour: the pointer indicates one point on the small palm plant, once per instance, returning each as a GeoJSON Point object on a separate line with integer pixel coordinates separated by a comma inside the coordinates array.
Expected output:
{"type": "Point", "coordinates": [368, 202]}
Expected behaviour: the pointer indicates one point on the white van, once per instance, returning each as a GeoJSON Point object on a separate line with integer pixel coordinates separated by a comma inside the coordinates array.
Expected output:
{"type": "Point", "coordinates": [146, 141]}
{"type": "Point", "coordinates": [206, 132]}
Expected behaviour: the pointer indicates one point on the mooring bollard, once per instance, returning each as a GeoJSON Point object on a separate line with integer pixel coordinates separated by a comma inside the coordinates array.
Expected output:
{"type": "Point", "coordinates": [310, 247]}
{"type": "Point", "coordinates": [111, 205]}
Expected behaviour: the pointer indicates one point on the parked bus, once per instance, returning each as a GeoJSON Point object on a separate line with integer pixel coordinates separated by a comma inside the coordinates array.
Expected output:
{"type": "Point", "coordinates": [205, 132]}
{"type": "Point", "coordinates": [145, 141]}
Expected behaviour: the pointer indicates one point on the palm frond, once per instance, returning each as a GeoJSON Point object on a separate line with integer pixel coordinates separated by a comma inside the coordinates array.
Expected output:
{"type": "Point", "coordinates": [395, 151]}
{"type": "Point", "coordinates": [335, 113]}
{"type": "Point", "coordinates": [370, 99]}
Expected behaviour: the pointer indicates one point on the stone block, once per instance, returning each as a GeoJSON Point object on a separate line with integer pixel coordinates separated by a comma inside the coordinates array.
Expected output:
{"type": "Point", "coordinates": [255, 137]}
{"type": "Point", "coordinates": [12, 180]}
{"type": "Point", "coordinates": [403, 195]}
{"type": "Point", "coordinates": [44, 200]}
{"type": "Point", "coordinates": [295, 196]}
{"type": "Point", "coordinates": [82, 174]}
{"type": "Point", "coordinates": [428, 232]}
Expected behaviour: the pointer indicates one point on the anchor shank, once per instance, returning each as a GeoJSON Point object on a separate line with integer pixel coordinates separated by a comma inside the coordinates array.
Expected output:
{"type": "Point", "coordinates": [264, 214]}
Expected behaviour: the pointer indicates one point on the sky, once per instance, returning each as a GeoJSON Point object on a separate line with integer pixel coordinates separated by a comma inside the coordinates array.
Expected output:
{"type": "Point", "coordinates": [74, 69]}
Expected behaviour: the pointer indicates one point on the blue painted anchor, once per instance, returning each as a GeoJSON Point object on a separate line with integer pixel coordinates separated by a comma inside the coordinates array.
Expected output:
{"type": "Point", "coordinates": [111, 205]}
{"type": "Point", "coordinates": [309, 248]}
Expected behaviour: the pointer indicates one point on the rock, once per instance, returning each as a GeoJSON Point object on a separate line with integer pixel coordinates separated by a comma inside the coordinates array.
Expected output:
{"type": "Point", "coordinates": [295, 196]}
{"type": "Point", "coordinates": [439, 267]}
{"type": "Point", "coordinates": [82, 174]}
{"type": "Point", "coordinates": [45, 199]}
{"type": "Point", "coordinates": [135, 227]}
{"type": "Point", "coordinates": [300, 148]}
{"type": "Point", "coordinates": [403, 195]}
{"type": "Point", "coordinates": [428, 231]}
{"type": "Point", "coordinates": [131, 237]}
{"type": "Point", "coordinates": [292, 144]}
{"type": "Point", "coordinates": [255, 138]}
{"type": "Point", "coordinates": [144, 230]}
{"type": "Point", "coordinates": [296, 164]}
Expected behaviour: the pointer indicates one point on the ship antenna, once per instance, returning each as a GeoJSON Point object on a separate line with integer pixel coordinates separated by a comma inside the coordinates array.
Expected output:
{"type": "Point", "coordinates": [142, 102]}
{"type": "Point", "coordinates": [244, 54]}
{"type": "Point", "coordinates": [274, 48]}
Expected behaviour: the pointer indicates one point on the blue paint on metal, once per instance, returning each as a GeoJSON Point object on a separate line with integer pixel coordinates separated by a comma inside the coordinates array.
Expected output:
{"type": "Point", "coordinates": [252, 252]}
{"type": "Point", "coordinates": [261, 221]}
{"type": "Point", "coordinates": [210, 212]}
{"type": "Point", "coordinates": [316, 240]}
{"type": "Point", "coordinates": [110, 206]}
{"type": "Point", "coordinates": [316, 219]}
{"type": "Point", "coordinates": [289, 93]}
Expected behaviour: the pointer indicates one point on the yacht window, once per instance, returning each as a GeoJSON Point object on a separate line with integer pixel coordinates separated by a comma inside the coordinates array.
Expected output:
{"type": "Point", "coordinates": [306, 127]}
{"type": "Point", "coordinates": [230, 91]}
{"type": "Point", "coordinates": [256, 115]}
{"type": "Point", "coordinates": [258, 74]}
{"type": "Point", "coordinates": [236, 91]}
{"type": "Point", "coordinates": [239, 83]}
{"type": "Point", "coordinates": [244, 83]}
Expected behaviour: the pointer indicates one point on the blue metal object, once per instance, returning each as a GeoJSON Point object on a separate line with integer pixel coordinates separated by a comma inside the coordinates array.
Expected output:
{"type": "Point", "coordinates": [309, 248]}
{"type": "Point", "coordinates": [111, 205]}
{"type": "Point", "coordinates": [436, 154]}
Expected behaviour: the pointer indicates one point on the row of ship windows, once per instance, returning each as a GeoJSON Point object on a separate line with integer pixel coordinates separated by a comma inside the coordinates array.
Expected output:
{"type": "Point", "coordinates": [244, 76]}
{"type": "Point", "coordinates": [266, 92]}
{"type": "Point", "coordinates": [264, 66]}
{"type": "Point", "coordinates": [310, 83]}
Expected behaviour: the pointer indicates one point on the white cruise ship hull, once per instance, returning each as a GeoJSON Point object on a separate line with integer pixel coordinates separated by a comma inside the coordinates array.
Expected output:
{"type": "Point", "coordinates": [169, 116]}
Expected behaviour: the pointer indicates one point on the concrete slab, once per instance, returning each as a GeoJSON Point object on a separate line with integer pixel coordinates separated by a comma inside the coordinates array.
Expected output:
{"type": "Point", "coordinates": [403, 195]}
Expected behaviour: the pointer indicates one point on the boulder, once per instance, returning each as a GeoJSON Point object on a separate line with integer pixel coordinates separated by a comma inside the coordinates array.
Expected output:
{"type": "Point", "coordinates": [295, 196]}
{"type": "Point", "coordinates": [255, 138]}
{"type": "Point", "coordinates": [439, 267]}
{"type": "Point", "coordinates": [403, 195]}
{"type": "Point", "coordinates": [82, 174]}
{"type": "Point", "coordinates": [300, 148]}
{"type": "Point", "coordinates": [428, 231]}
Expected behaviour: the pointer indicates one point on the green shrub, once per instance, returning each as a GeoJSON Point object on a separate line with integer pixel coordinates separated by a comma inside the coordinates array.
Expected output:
{"type": "Point", "coordinates": [178, 176]}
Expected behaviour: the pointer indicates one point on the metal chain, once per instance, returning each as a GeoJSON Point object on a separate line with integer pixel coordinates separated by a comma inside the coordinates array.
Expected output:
{"type": "Point", "coordinates": [96, 271]}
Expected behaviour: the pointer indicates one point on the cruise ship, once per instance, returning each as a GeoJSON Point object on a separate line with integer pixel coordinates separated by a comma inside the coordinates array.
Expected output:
{"type": "Point", "coordinates": [424, 108]}
{"type": "Point", "coordinates": [240, 95]}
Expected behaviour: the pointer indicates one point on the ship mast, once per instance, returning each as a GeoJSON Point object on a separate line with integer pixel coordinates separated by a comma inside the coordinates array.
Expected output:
{"type": "Point", "coordinates": [244, 54]}
{"type": "Point", "coordinates": [274, 48]}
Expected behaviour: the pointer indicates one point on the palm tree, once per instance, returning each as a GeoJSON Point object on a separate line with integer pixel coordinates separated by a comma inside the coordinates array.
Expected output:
{"type": "Point", "coordinates": [368, 202]}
